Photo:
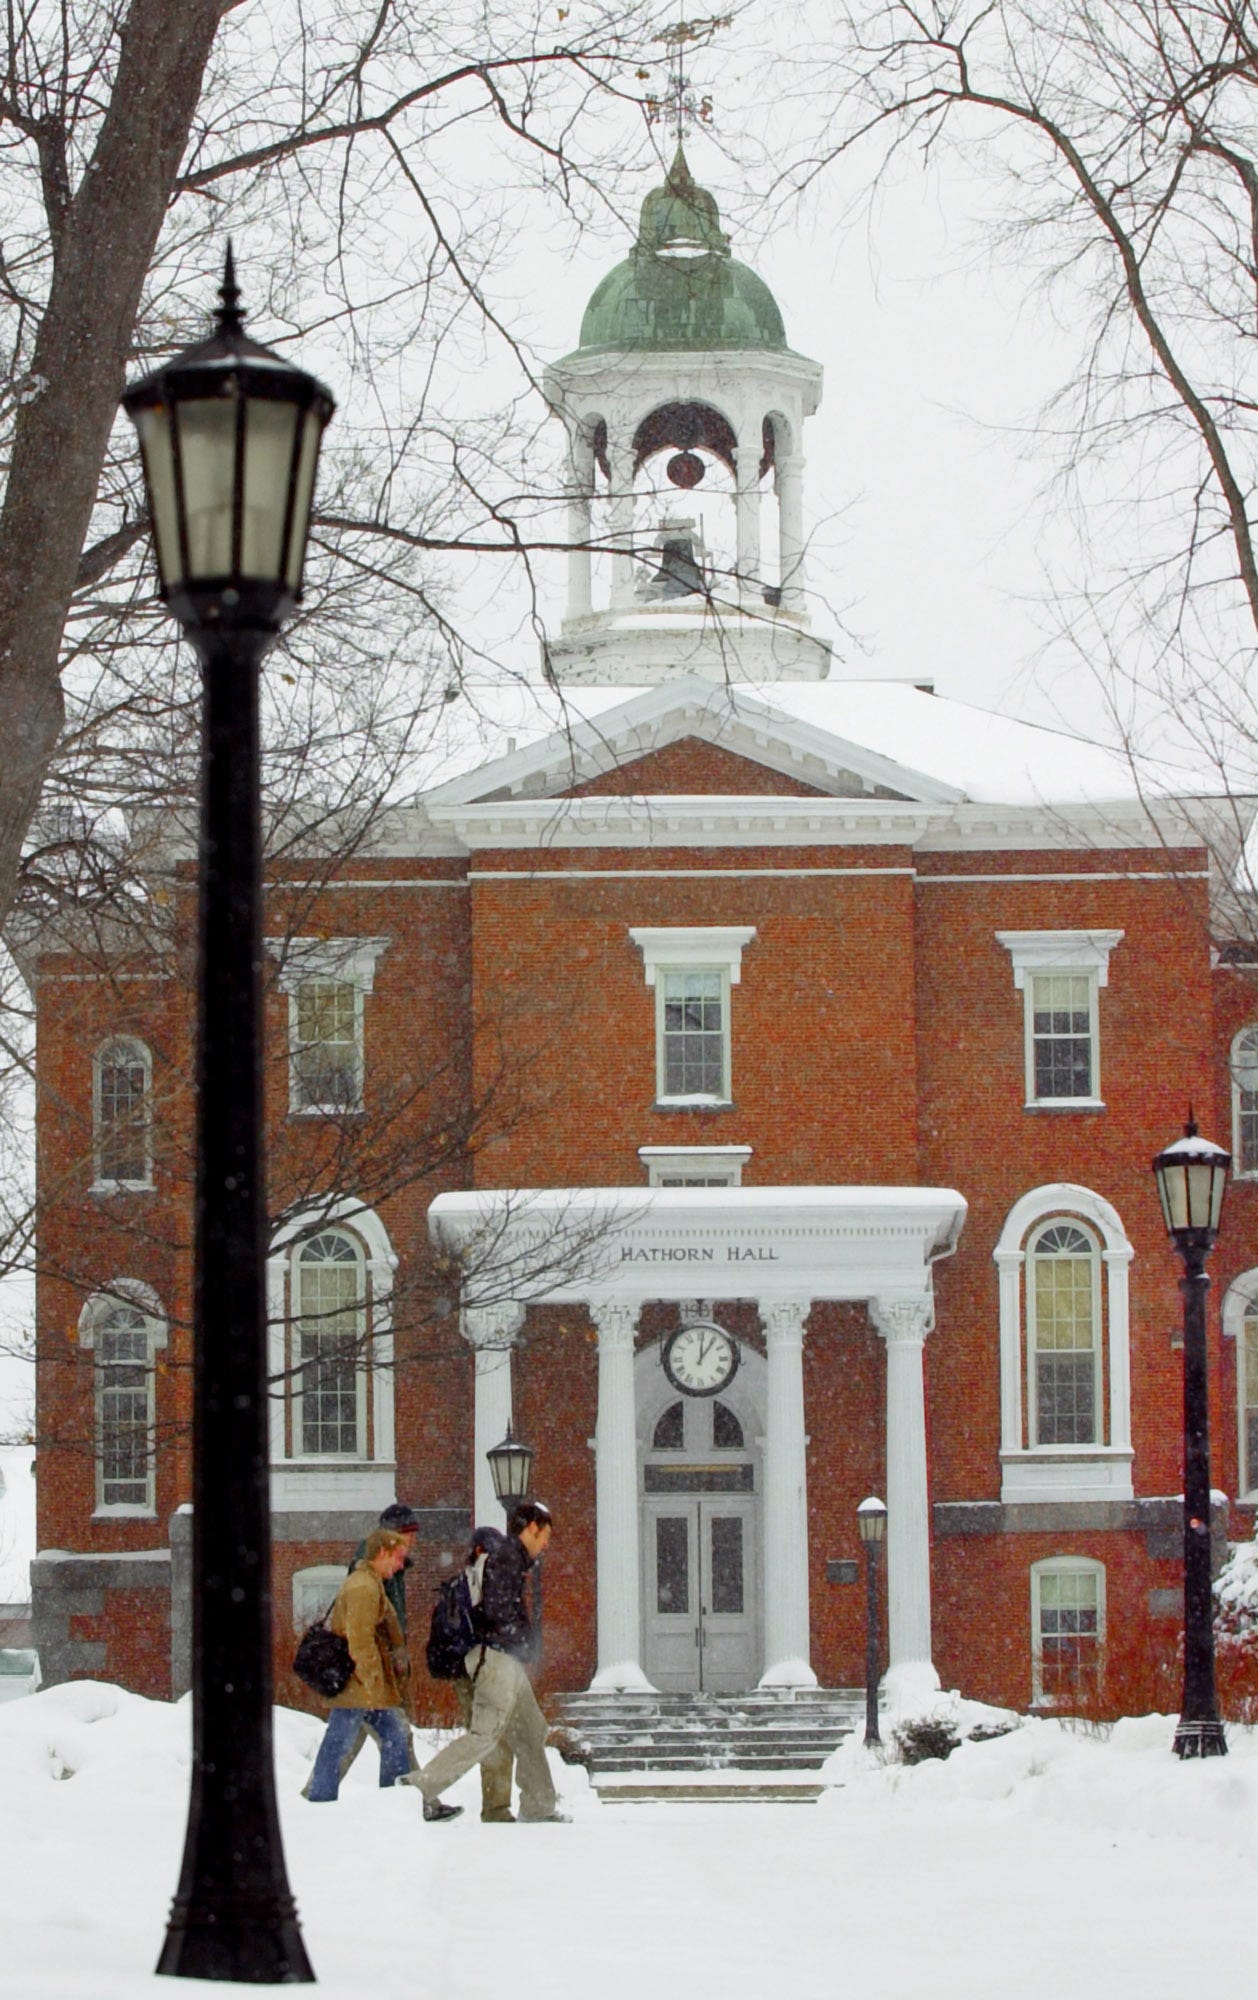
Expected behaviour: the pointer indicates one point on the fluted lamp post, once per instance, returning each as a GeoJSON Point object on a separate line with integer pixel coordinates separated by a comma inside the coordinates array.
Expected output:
{"type": "Point", "coordinates": [229, 434]}
{"type": "Point", "coordinates": [871, 1519]}
{"type": "Point", "coordinates": [1192, 1176]}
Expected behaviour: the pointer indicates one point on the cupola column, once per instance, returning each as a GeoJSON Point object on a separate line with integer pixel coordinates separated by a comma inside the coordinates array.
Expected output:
{"type": "Point", "coordinates": [621, 461]}
{"type": "Point", "coordinates": [747, 503]}
{"type": "Point", "coordinates": [580, 493]}
{"type": "Point", "coordinates": [790, 491]}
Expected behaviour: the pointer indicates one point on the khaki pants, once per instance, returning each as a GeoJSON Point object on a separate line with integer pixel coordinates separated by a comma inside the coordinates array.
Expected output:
{"type": "Point", "coordinates": [496, 1768]}
{"type": "Point", "coordinates": [505, 1717]}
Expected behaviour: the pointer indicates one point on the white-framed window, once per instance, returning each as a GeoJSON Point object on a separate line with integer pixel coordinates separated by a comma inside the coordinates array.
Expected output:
{"type": "Point", "coordinates": [1065, 1370]}
{"type": "Point", "coordinates": [1063, 1334]}
{"type": "Point", "coordinates": [692, 970]}
{"type": "Point", "coordinates": [326, 980]}
{"type": "Point", "coordinates": [122, 1327]}
{"type": "Point", "coordinates": [122, 1114]}
{"type": "Point", "coordinates": [1067, 1628]}
{"type": "Point", "coordinates": [1244, 1076]}
{"type": "Point", "coordinates": [315, 1590]}
{"type": "Point", "coordinates": [330, 1311]}
{"type": "Point", "coordinates": [330, 1301]}
{"type": "Point", "coordinates": [1240, 1323]}
{"type": "Point", "coordinates": [1059, 974]}
{"type": "Point", "coordinates": [694, 1166]}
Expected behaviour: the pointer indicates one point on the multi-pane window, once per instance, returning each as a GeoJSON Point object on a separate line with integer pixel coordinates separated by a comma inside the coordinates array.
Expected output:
{"type": "Point", "coordinates": [1063, 1326]}
{"type": "Point", "coordinates": [1061, 1035]}
{"type": "Point", "coordinates": [693, 1038]}
{"type": "Point", "coordinates": [1245, 1101]}
{"type": "Point", "coordinates": [122, 1075]}
{"type": "Point", "coordinates": [123, 1336]}
{"type": "Point", "coordinates": [694, 1166]}
{"type": "Point", "coordinates": [1067, 1627]}
{"type": "Point", "coordinates": [329, 1418]}
{"type": "Point", "coordinates": [326, 1066]}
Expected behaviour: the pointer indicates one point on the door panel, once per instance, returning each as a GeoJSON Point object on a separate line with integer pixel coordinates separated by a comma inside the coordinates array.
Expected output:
{"type": "Point", "coordinates": [701, 1614]}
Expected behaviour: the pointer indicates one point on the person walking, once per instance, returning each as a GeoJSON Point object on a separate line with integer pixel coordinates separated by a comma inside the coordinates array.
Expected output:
{"type": "Point", "coordinates": [504, 1711]}
{"type": "Point", "coordinates": [376, 1690]}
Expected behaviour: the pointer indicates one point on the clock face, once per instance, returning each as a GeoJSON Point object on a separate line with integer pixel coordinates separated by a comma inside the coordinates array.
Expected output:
{"type": "Point", "coordinates": [700, 1359]}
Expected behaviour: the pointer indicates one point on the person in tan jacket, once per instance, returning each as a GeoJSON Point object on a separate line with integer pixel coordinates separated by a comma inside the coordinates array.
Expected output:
{"type": "Point", "coordinates": [377, 1689]}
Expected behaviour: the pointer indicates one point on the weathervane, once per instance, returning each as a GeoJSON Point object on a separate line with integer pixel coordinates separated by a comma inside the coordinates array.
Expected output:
{"type": "Point", "coordinates": [680, 105]}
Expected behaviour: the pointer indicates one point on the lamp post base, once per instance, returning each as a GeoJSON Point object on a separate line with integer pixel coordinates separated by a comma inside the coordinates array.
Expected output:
{"type": "Point", "coordinates": [250, 1940]}
{"type": "Point", "coordinates": [1200, 1739]}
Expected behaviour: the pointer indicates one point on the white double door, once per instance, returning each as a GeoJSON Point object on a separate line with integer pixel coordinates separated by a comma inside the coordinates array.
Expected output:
{"type": "Point", "coordinates": [701, 1612]}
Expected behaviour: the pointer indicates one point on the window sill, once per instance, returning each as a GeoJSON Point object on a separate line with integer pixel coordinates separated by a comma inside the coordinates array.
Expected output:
{"type": "Point", "coordinates": [694, 1104]}
{"type": "Point", "coordinates": [124, 1514]}
{"type": "Point", "coordinates": [1064, 1104]}
{"type": "Point", "coordinates": [122, 1187]}
{"type": "Point", "coordinates": [326, 1110]}
{"type": "Point", "coordinates": [1065, 1472]}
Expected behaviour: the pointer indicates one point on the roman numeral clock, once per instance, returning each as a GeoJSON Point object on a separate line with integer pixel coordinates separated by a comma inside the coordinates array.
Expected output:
{"type": "Point", "coordinates": [700, 1359]}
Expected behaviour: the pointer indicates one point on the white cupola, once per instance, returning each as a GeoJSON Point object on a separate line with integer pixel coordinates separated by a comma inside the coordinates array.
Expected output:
{"type": "Point", "coordinates": [684, 409]}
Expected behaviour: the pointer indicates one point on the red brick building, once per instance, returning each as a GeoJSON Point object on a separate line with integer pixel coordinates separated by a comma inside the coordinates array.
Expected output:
{"type": "Point", "coordinates": [741, 1077]}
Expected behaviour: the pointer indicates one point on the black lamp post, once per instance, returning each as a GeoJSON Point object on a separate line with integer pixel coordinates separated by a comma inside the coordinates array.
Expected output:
{"type": "Point", "coordinates": [1191, 1176]}
{"type": "Point", "coordinates": [871, 1519]}
{"type": "Point", "coordinates": [230, 434]}
{"type": "Point", "coordinates": [511, 1469]}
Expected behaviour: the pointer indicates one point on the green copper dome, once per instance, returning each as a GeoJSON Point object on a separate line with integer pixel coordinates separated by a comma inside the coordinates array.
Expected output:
{"type": "Point", "coordinates": [679, 286]}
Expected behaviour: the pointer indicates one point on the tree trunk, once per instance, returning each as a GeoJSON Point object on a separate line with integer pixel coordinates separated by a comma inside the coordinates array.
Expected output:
{"type": "Point", "coordinates": [104, 246]}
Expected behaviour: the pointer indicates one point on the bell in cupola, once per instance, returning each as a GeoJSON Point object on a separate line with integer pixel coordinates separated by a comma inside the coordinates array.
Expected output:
{"type": "Point", "coordinates": [680, 571]}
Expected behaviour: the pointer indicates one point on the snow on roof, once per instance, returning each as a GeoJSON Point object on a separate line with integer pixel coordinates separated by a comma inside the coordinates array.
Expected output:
{"type": "Point", "coordinates": [983, 756]}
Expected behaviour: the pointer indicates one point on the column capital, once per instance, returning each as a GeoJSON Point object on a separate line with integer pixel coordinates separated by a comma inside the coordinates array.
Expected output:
{"type": "Point", "coordinates": [903, 1319]}
{"type": "Point", "coordinates": [615, 1321]}
{"type": "Point", "coordinates": [783, 1321]}
{"type": "Point", "coordinates": [493, 1326]}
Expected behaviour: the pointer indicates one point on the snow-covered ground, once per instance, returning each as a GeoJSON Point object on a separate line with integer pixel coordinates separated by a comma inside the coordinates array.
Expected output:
{"type": "Point", "coordinates": [1047, 1863]}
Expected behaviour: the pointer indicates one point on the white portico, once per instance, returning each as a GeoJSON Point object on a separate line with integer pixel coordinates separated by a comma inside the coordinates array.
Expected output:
{"type": "Point", "coordinates": [615, 1249]}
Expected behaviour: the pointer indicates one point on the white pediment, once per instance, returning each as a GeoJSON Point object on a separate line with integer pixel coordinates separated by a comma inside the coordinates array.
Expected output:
{"type": "Point", "coordinates": [732, 719]}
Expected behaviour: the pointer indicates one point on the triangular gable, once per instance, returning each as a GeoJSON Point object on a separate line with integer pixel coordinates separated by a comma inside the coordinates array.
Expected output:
{"type": "Point", "coordinates": [737, 723]}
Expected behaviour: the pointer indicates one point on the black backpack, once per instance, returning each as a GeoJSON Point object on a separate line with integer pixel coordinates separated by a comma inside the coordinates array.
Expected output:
{"type": "Point", "coordinates": [323, 1659]}
{"type": "Point", "coordinates": [452, 1632]}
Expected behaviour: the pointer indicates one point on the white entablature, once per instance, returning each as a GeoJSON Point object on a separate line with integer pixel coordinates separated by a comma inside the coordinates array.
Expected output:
{"type": "Point", "coordinates": [635, 1244]}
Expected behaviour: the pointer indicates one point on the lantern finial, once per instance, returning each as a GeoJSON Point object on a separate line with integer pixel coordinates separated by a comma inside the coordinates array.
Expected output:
{"type": "Point", "coordinates": [1190, 1129]}
{"type": "Point", "coordinates": [230, 318]}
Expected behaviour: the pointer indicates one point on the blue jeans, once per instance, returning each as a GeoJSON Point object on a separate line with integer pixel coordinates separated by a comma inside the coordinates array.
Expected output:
{"type": "Point", "coordinates": [392, 1733]}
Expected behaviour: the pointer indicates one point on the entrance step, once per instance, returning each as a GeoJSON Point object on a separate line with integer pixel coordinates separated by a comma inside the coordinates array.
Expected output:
{"type": "Point", "coordinates": [755, 1741]}
{"type": "Point", "coordinates": [701, 1788]}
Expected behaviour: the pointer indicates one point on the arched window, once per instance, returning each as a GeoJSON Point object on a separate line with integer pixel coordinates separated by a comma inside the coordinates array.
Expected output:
{"type": "Point", "coordinates": [670, 1430]}
{"type": "Point", "coordinates": [1063, 1311]}
{"type": "Point", "coordinates": [330, 1310]}
{"type": "Point", "coordinates": [1067, 1628]}
{"type": "Point", "coordinates": [330, 1360]}
{"type": "Point", "coordinates": [122, 1076]}
{"type": "Point", "coordinates": [1244, 1073]}
{"type": "Point", "coordinates": [1065, 1393]}
{"type": "Point", "coordinates": [1240, 1323]}
{"type": "Point", "coordinates": [123, 1327]}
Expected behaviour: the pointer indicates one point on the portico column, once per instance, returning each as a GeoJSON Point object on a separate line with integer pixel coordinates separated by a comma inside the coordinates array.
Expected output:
{"type": "Point", "coordinates": [616, 1500]}
{"type": "Point", "coordinates": [786, 1639]}
{"type": "Point", "coordinates": [492, 1331]}
{"type": "Point", "coordinates": [904, 1324]}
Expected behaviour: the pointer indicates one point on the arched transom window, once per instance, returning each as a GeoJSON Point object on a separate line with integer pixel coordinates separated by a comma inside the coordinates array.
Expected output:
{"type": "Point", "coordinates": [1063, 1335]}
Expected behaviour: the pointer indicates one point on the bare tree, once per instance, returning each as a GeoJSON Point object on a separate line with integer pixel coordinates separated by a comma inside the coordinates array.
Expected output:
{"type": "Point", "coordinates": [344, 137]}
{"type": "Point", "coordinates": [1115, 142]}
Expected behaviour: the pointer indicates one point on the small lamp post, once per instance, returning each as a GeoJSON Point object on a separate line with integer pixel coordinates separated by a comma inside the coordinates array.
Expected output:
{"type": "Point", "coordinates": [1191, 1177]}
{"type": "Point", "coordinates": [871, 1519]}
{"type": "Point", "coordinates": [229, 433]}
{"type": "Point", "coordinates": [511, 1469]}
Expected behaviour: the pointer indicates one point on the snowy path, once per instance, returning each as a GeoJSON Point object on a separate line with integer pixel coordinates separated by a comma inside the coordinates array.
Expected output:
{"type": "Point", "coordinates": [1043, 1865]}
